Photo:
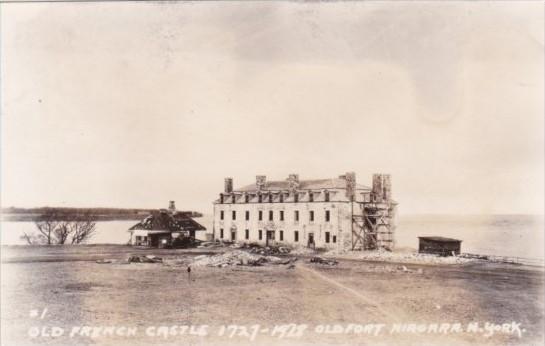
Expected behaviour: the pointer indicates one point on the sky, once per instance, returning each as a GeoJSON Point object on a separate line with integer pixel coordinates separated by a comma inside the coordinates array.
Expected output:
{"type": "Point", "coordinates": [133, 104]}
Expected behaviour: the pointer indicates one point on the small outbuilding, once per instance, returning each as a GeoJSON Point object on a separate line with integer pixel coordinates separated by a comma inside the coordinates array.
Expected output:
{"type": "Point", "coordinates": [439, 246]}
{"type": "Point", "coordinates": [165, 228]}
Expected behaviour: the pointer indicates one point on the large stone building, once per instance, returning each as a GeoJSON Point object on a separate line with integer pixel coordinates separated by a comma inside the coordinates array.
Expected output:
{"type": "Point", "coordinates": [328, 213]}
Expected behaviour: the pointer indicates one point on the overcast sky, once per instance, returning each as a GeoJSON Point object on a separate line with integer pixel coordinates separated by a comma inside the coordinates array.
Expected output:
{"type": "Point", "coordinates": [133, 104]}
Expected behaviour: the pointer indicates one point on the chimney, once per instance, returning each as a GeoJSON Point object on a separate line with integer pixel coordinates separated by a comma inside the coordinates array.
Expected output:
{"type": "Point", "coordinates": [260, 182]}
{"type": "Point", "coordinates": [171, 206]}
{"type": "Point", "coordinates": [293, 181]}
{"type": "Point", "coordinates": [378, 187]}
{"type": "Point", "coordinates": [350, 178]}
{"type": "Point", "coordinates": [228, 185]}
{"type": "Point", "coordinates": [387, 187]}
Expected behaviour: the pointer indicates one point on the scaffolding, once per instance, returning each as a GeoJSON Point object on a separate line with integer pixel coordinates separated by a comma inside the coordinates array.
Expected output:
{"type": "Point", "coordinates": [373, 217]}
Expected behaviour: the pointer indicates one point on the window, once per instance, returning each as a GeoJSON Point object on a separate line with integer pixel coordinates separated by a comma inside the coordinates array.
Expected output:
{"type": "Point", "coordinates": [259, 198]}
{"type": "Point", "coordinates": [270, 197]}
{"type": "Point", "coordinates": [221, 215]}
{"type": "Point", "coordinates": [327, 216]}
{"type": "Point", "coordinates": [260, 215]}
{"type": "Point", "coordinates": [296, 236]}
{"type": "Point", "coordinates": [327, 237]}
{"type": "Point", "coordinates": [260, 234]}
{"type": "Point", "coordinates": [311, 215]}
{"type": "Point", "coordinates": [270, 215]}
{"type": "Point", "coordinates": [296, 216]}
{"type": "Point", "coordinates": [221, 198]}
{"type": "Point", "coordinates": [246, 198]}
{"type": "Point", "coordinates": [281, 215]}
{"type": "Point", "coordinates": [247, 234]}
{"type": "Point", "coordinates": [234, 215]}
{"type": "Point", "coordinates": [247, 215]}
{"type": "Point", "coordinates": [281, 235]}
{"type": "Point", "coordinates": [233, 235]}
{"type": "Point", "coordinates": [326, 196]}
{"type": "Point", "coordinates": [221, 233]}
{"type": "Point", "coordinates": [334, 238]}
{"type": "Point", "coordinates": [296, 197]}
{"type": "Point", "coordinates": [310, 197]}
{"type": "Point", "coordinates": [281, 198]}
{"type": "Point", "coordinates": [233, 199]}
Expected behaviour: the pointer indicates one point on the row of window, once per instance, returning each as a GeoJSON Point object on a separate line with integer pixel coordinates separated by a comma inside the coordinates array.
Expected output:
{"type": "Point", "coordinates": [270, 197]}
{"type": "Point", "coordinates": [328, 237]}
{"type": "Point", "coordinates": [327, 215]}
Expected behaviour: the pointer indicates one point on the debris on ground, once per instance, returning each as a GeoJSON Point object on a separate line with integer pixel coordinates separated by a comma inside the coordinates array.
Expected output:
{"type": "Point", "coordinates": [398, 257]}
{"type": "Point", "coordinates": [266, 250]}
{"type": "Point", "coordinates": [103, 261]}
{"type": "Point", "coordinates": [321, 260]}
{"type": "Point", "coordinates": [210, 244]}
{"type": "Point", "coordinates": [145, 259]}
{"type": "Point", "coordinates": [238, 257]}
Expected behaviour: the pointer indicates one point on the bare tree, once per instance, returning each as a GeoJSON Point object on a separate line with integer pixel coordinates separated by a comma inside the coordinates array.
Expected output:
{"type": "Point", "coordinates": [57, 228]}
{"type": "Point", "coordinates": [62, 232]}
{"type": "Point", "coordinates": [47, 224]}
{"type": "Point", "coordinates": [83, 228]}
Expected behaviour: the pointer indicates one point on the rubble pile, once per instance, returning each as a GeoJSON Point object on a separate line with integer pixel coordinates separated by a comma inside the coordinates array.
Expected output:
{"type": "Point", "coordinates": [321, 260]}
{"type": "Point", "coordinates": [399, 257]}
{"type": "Point", "coordinates": [210, 244]}
{"type": "Point", "coordinates": [270, 250]}
{"type": "Point", "coordinates": [238, 257]}
{"type": "Point", "coordinates": [145, 259]}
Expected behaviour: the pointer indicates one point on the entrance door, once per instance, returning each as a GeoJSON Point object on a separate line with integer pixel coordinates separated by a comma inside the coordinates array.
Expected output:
{"type": "Point", "coordinates": [233, 235]}
{"type": "Point", "coordinates": [311, 240]}
{"type": "Point", "coordinates": [270, 238]}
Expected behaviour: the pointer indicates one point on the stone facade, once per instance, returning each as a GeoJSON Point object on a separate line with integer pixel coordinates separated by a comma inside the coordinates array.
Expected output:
{"type": "Point", "coordinates": [289, 212]}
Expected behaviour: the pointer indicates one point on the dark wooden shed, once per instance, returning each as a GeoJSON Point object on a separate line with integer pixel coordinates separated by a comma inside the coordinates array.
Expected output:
{"type": "Point", "coordinates": [439, 246]}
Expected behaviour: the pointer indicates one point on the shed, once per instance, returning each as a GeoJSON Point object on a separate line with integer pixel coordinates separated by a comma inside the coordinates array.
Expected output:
{"type": "Point", "coordinates": [439, 246]}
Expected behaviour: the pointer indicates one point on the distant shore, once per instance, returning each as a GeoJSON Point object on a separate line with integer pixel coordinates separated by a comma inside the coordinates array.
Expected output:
{"type": "Point", "coordinates": [13, 214]}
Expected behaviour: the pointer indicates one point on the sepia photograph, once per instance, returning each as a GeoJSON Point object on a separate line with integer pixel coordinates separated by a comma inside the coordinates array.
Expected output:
{"type": "Point", "coordinates": [226, 172]}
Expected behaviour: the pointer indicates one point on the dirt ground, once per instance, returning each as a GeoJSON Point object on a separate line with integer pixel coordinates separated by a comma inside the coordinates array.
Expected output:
{"type": "Point", "coordinates": [44, 288]}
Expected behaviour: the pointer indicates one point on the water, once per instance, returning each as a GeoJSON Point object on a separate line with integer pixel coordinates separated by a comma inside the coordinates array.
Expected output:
{"type": "Point", "coordinates": [501, 235]}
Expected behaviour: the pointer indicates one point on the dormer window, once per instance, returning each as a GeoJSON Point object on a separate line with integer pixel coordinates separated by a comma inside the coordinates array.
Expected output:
{"type": "Point", "coordinates": [233, 198]}
{"type": "Point", "coordinates": [221, 198]}
{"type": "Point", "coordinates": [259, 197]}
{"type": "Point", "coordinates": [246, 198]}
{"type": "Point", "coordinates": [270, 197]}
{"type": "Point", "coordinates": [326, 196]}
{"type": "Point", "coordinates": [281, 197]}
{"type": "Point", "coordinates": [310, 197]}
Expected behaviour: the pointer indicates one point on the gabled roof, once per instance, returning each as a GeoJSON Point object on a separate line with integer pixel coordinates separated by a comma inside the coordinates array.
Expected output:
{"type": "Point", "coordinates": [314, 184]}
{"type": "Point", "coordinates": [164, 220]}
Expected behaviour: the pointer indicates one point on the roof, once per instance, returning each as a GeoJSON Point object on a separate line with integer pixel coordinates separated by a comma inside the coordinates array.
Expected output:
{"type": "Point", "coordinates": [315, 184]}
{"type": "Point", "coordinates": [167, 221]}
{"type": "Point", "coordinates": [441, 239]}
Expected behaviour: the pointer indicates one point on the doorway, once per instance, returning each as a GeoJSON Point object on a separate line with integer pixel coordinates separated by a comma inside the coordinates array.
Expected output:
{"type": "Point", "coordinates": [270, 238]}
{"type": "Point", "coordinates": [311, 243]}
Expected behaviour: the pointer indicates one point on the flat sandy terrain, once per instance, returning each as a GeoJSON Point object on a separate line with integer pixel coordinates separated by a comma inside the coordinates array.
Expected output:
{"type": "Point", "coordinates": [43, 288]}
